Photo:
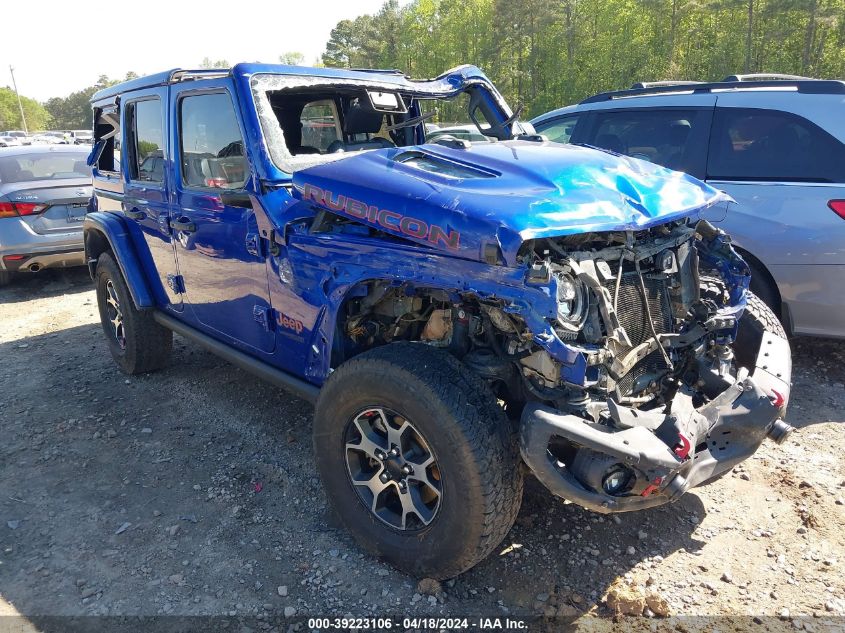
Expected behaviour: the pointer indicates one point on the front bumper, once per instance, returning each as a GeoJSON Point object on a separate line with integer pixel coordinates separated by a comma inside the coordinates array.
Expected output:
{"type": "Point", "coordinates": [730, 428]}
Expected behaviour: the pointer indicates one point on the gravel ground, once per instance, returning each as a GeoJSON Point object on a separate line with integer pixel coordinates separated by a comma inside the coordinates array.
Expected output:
{"type": "Point", "coordinates": [192, 491]}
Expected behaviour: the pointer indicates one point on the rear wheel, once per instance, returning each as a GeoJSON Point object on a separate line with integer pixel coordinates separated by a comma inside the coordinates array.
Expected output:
{"type": "Point", "coordinates": [417, 459]}
{"type": "Point", "coordinates": [137, 343]}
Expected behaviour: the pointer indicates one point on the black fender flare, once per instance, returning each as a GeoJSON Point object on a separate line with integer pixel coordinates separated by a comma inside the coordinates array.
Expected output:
{"type": "Point", "coordinates": [106, 231]}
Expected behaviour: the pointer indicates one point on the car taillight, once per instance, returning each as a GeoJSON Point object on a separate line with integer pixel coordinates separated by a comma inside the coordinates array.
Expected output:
{"type": "Point", "coordinates": [29, 208]}
{"type": "Point", "coordinates": [216, 182]}
{"type": "Point", "coordinates": [7, 210]}
{"type": "Point", "coordinates": [838, 207]}
{"type": "Point", "coordinates": [12, 209]}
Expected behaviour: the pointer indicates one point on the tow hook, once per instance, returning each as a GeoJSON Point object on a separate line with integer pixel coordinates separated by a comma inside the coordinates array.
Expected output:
{"type": "Point", "coordinates": [779, 431]}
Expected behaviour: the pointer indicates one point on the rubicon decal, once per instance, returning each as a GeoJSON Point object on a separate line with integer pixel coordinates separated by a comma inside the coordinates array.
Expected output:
{"type": "Point", "coordinates": [390, 220]}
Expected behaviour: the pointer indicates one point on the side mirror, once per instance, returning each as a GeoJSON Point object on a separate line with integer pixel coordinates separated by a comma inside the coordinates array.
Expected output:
{"type": "Point", "coordinates": [236, 199]}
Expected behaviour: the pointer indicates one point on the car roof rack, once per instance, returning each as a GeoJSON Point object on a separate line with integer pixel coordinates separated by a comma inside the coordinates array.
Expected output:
{"type": "Point", "coordinates": [204, 73]}
{"type": "Point", "coordinates": [809, 86]}
{"type": "Point", "coordinates": [766, 77]}
{"type": "Point", "coordinates": [640, 85]}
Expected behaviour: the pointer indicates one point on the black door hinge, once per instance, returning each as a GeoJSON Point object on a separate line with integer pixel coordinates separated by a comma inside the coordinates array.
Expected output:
{"type": "Point", "coordinates": [176, 283]}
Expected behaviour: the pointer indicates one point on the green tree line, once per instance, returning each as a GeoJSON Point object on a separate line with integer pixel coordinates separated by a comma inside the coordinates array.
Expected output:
{"type": "Point", "coordinates": [73, 112]}
{"type": "Point", "coordinates": [549, 53]}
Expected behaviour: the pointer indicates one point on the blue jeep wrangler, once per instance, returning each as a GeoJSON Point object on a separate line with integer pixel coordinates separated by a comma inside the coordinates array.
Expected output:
{"type": "Point", "coordinates": [455, 309]}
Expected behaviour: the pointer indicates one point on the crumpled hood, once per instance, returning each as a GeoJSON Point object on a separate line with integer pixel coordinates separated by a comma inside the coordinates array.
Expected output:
{"type": "Point", "coordinates": [492, 196]}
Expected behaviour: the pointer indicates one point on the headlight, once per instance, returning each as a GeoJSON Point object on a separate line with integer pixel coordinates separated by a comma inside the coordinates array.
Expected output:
{"type": "Point", "coordinates": [571, 301]}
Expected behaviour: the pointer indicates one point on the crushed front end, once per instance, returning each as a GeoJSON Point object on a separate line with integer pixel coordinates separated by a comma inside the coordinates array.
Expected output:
{"type": "Point", "coordinates": [679, 372]}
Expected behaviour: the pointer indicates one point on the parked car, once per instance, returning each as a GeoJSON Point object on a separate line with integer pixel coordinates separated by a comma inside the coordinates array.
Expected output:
{"type": "Point", "coordinates": [44, 194]}
{"type": "Point", "coordinates": [81, 137]}
{"type": "Point", "coordinates": [22, 136]}
{"type": "Point", "coordinates": [49, 138]}
{"type": "Point", "coordinates": [410, 288]}
{"type": "Point", "coordinates": [777, 146]}
{"type": "Point", "coordinates": [10, 141]}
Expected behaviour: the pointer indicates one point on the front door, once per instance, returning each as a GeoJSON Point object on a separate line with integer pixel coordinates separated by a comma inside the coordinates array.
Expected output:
{"type": "Point", "coordinates": [145, 201]}
{"type": "Point", "coordinates": [220, 256]}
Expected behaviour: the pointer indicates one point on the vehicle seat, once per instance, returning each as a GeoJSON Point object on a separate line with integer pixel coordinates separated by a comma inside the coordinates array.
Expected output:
{"type": "Point", "coordinates": [611, 142]}
{"type": "Point", "coordinates": [361, 118]}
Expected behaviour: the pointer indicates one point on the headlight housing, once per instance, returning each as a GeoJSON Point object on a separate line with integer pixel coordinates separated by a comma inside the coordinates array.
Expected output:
{"type": "Point", "coordinates": [571, 301]}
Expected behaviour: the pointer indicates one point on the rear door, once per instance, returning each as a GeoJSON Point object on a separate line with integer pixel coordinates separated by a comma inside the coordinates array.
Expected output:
{"type": "Point", "coordinates": [217, 244]}
{"type": "Point", "coordinates": [783, 170]}
{"type": "Point", "coordinates": [146, 203]}
{"type": "Point", "coordinates": [787, 173]}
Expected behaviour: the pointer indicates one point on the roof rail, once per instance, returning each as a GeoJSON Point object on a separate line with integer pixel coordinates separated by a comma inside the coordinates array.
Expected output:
{"type": "Point", "coordinates": [809, 86]}
{"type": "Point", "coordinates": [203, 73]}
{"type": "Point", "coordinates": [640, 85]}
{"type": "Point", "coordinates": [766, 77]}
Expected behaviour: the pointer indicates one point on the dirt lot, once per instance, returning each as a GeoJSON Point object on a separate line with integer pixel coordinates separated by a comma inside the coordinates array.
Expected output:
{"type": "Point", "coordinates": [192, 491]}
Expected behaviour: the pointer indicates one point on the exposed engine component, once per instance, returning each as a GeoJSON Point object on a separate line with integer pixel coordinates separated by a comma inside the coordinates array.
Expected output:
{"type": "Point", "coordinates": [653, 315]}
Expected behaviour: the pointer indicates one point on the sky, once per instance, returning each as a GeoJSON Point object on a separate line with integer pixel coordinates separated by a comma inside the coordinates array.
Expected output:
{"type": "Point", "coordinates": [59, 47]}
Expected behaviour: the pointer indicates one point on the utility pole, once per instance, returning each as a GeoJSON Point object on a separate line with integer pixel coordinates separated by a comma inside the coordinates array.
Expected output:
{"type": "Point", "coordinates": [20, 104]}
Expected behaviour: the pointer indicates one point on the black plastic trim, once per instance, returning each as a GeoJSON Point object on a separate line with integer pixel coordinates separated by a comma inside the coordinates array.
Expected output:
{"type": "Point", "coordinates": [296, 386]}
{"type": "Point", "coordinates": [809, 86]}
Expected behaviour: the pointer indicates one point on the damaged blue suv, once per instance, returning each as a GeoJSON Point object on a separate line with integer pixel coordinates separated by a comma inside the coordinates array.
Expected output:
{"type": "Point", "coordinates": [453, 308]}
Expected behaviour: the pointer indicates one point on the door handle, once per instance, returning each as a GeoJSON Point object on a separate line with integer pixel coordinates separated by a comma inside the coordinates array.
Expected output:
{"type": "Point", "coordinates": [178, 225]}
{"type": "Point", "coordinates": [135, 215]}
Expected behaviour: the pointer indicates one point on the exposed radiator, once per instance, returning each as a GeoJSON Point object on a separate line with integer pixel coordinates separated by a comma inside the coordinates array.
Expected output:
{"type": "Point", "coordinates": [633, 316]}
{"type": "Point", "coordinates": [631, 309]}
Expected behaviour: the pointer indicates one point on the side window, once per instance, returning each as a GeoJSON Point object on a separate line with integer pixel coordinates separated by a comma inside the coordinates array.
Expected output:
{"type": "Point", "coordinates": [560, 129]}
{"type": "Point", "coordinates": [107, 139]}
{"type": "Point", "coordinates": [211, 147]}
{"type": "Point", "coordinates": [664, 137]}
{"type": "Point", "coordinates": [147, 141]}
{"type": "Point", "coordinates": [752, 144]}
{"type": "Point", "coordinates": [320, 128]}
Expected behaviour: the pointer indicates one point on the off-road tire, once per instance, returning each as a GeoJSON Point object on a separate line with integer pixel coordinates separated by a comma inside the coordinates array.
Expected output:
{"type": "Point", "coordinates": [147, 344]}
{"type": "Point", "coordinates": [469, 434]}
{"type": "Point", "coordinates": [5, 278]}
{"type": "Point", "coordinates": [756, 319]}
{"type": "Point", "coordinates": [763, 288]}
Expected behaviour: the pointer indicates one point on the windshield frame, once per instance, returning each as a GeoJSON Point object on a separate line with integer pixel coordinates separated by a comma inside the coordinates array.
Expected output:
{"type": "Point", "coordinates": [261, 84]}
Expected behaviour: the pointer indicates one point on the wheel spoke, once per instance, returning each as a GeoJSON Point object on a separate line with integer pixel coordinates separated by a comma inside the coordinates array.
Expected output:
{"type": "Point", "coordinates": [412, 503]}
{"type": "Point", "coordinates": [394, 435]}
{"type": "Point", "coordinates": [367, 443]}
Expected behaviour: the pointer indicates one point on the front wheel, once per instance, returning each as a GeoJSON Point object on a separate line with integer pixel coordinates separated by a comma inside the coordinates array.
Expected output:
{"type": "Point", "coordinates": [417, 459]}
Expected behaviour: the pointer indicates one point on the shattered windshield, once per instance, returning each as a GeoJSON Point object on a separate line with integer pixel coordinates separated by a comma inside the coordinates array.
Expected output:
{"type": "Point", "coordinates": [312, 120]}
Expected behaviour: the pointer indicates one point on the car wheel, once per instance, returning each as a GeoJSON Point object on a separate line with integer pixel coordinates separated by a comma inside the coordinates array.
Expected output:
{"type": "Point", "coordinates": [417, 459]}
{"type": "Point", "coordinates": [5, 277]}
{"type": "Point", "coordinates": [137, 343]}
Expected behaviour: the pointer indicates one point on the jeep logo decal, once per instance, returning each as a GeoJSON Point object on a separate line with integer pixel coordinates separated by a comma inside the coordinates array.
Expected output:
{"type": "Point", "coordinates": [390, 220]}
{"type": "Point", "coordinates": [289, 323]}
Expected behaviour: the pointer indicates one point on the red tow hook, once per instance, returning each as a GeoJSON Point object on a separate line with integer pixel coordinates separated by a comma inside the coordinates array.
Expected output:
{"type": "Point", "coordinates": [652, 487]}
{"type": "Point", "coordinates": [683, 448]}
{"type": "Point", "coordinates": [777, 399]}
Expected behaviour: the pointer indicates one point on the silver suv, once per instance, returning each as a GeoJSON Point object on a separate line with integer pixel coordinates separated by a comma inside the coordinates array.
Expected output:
{"type": "Point", "coordinates": [775, 143]}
